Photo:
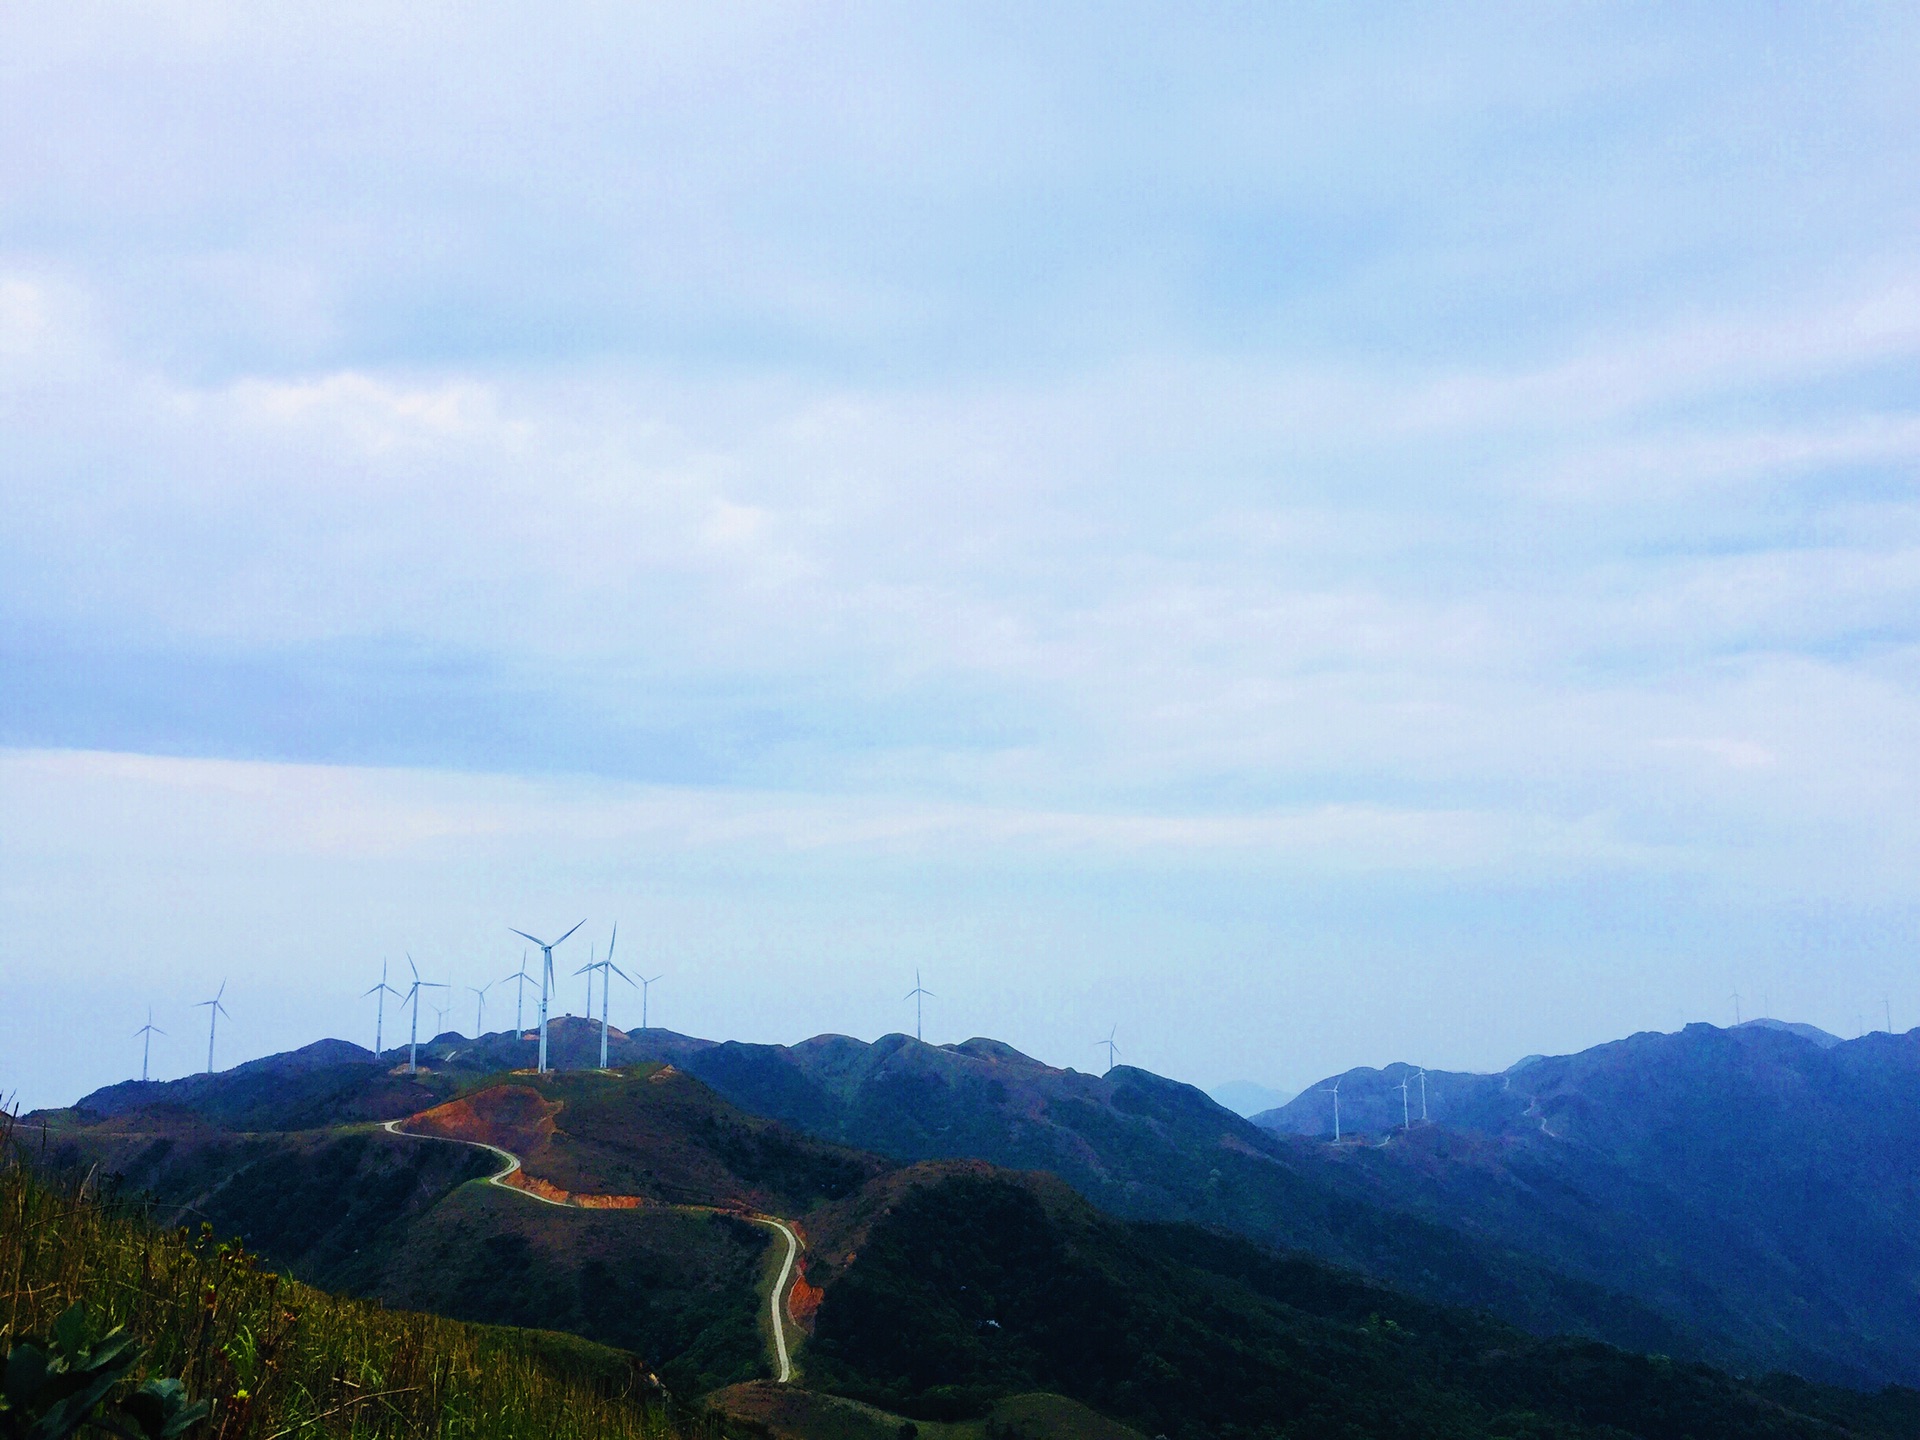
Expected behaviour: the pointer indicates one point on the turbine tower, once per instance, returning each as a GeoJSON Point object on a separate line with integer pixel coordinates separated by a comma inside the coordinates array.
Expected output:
{"type": "Point", "coordinates": [214, 1011]}
{"type": "Point", "coordinates": [1736, 1009]}
{"type": "Point", "coordinates": [607, 969]}
{"type": "Point", "coordinates": [521, 980]}
{"type": "Point", "coordinates": [148, 1031]}
{"type": "Point", "coordinates": [1406, 1112]}
{"type": "Point", "coordinates": [1334, 1090]}
{"type": "Point", "coordinates": [1111, 1048]}
{"type": "Point", "coordinates": [413, 994]}
{"type": "Point", "coordinates": [479, 993]}
{"type": "Point", "coordinates": [918, 994]}
{"type": "Point", "coordinates": [380, 1007]}
{"type": "Point", "coordinates": [646, 983]}
{"type": "Point", "coordinates": [1423, 1097]}
{"type": "Point", "coordinates": [546, 982]}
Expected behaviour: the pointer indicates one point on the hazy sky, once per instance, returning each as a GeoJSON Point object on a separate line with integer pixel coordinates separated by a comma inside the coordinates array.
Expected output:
{"type": "Point", "coordinates": [1313, 535]}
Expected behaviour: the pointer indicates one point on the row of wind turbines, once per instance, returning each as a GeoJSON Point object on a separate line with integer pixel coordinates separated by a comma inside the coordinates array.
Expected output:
{"type": "Point", "coordinates": [604, 967]}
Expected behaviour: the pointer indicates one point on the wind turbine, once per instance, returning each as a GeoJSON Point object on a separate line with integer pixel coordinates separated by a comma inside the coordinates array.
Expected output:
{"type": "Point", "coordinates": [214, 1011]}
{"type": "Point", "coordinates": [413, 994]}
{"type": "Point", "coordinates": [1736, 1009]}
{"type": "Point", "coordinates": [440, 1019]}
{"type": "Point", "coordinates": [479, 992]}
{"type": "Point", "coordinates": [607, 969]}
{"type": "Point", "coordinates": [645, 984]}
{"type": "Point", "coordinates": [1334, 1090]}
{"type": "Point", "coordinates": [1112, 1049]}
{"type": "Point", "coordinates": [1406, 1114]}
{"type": "Point", "coordinates": [380, 1006]}
{"type": "Point", "coordinates": [521, 980]}
{"type": "Point", "coordinates": [587, 970]}
{"type": "Point", "coordinates": [1423, 1097]}
{"type": "Point", "coordinates": [149, 1030]}
{"type": "Point", "coordinates": [546, 982]}
{"type": "Point", "coordinates": [917, 995]}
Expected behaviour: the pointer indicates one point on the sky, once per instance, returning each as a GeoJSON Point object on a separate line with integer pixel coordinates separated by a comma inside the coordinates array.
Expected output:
{"type": "Point", "coordinates": [1300, 536]}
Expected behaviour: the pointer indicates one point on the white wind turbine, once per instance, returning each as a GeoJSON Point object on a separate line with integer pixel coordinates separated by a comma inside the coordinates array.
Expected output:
{"type": "Point", "coordinates": [607, 969]}
{"type": "Point", "coordinates": [148, 1031]}
{"type": "Point", "coordinates": [1111, 1048]}
{"type": "Point", "coordinates": [646, 984]}
{"type": "Point", "coordinates": [380, 1008]}
{"type": "Point", "coordinates": [546, 982]}
{"type": "Point", "coordinates": [413, 994]}
{"type": "Point", "coordinates": [918, 994]}
{"type": "Point", "coordinates": [1423, 1097]}
{"type": "Point", "coordinates": [214, 1011]}
{"type": "Point", "coordinates": [479, 993]}
{"type": "Point", "coordinates": [1406, 1111]}
{"type": "Point", "coordinates": [520, 981]}
{"type": "Point", "coordinates": [1334, 1090]}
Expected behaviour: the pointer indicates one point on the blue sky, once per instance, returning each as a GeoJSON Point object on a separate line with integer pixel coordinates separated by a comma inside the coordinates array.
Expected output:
{"type": "Point", "coordinates": [1313, 535]}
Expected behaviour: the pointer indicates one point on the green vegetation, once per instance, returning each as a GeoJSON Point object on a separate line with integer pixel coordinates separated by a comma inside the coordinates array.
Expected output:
{"type": "Point", "coordinates": [975, 1287]}
{"type": "Point", "coordinates": [277, 1359]}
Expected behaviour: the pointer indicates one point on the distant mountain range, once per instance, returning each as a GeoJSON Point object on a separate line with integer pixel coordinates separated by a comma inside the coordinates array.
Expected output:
{"type": "Point", "coordinates": [1745, 1196]}
{"type": "Point", "coordinates": [937, 1288]}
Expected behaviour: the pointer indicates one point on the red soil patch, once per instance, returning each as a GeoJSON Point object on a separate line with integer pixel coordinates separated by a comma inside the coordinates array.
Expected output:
{"type": "Point", "coordinates": [803, 1301]}
{"type": "Point", "coordinates": [514, 1117]}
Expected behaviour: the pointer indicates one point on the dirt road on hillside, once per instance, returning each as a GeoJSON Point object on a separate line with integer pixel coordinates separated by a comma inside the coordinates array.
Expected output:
{"type": "Point", "coordinates": [775, 1299]}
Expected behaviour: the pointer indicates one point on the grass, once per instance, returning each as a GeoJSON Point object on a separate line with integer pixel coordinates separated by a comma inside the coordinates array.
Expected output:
{"type": "Point", "coordinates": [279, 1359]}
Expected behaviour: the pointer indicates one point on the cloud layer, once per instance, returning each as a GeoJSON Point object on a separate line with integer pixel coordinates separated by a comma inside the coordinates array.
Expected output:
{"type": "Point", "coordinates": [1470, 467]}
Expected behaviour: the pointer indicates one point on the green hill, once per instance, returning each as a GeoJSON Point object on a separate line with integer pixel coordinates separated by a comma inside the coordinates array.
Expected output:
{"type": "Point", "coordinates": [275, 1357]}
{"type": "Point", "coordinates": [956, 1288]}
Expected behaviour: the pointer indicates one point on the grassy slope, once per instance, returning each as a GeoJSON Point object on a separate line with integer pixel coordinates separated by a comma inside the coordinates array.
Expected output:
{"type": "Point", "coordinates": [969, 1287]}
{"type": "Point", "coordinates": [407, 1221]}
{"type": "Point", "coordinates": [279, 1357]}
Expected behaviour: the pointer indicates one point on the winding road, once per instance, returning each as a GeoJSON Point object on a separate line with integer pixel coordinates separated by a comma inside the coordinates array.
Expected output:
{"type": "Point", "coordinates": [774, 1299]}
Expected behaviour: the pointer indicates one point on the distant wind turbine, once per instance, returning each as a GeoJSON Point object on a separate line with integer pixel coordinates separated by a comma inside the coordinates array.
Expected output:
{"type": "Point", "coordinates": [918, 994]}
{"type": "Point", "coordinates": [1423, 1097]}
{"type": "Point", "coordinates": [380, 1007]}
{"type": "Point", "coordinates": [646, 982]}
{"type": "Point", "coordinates": [521, 980]}
{"type": "Point", "coordinates": [214, 1011]}
{"type": "Point", "coordinates": [607, 970]}
{"type": "Point", "coordinates": [148, 1031]}
{"type": "Point", "coordinates": [1736, 1009]}
{"type": "Point", "coordinates": [479, 993]}
{"type": "Point", "coordinates": [1334, 1090]}
{"type": "Point", "coordinates": [1406, 1113]}
{"type": "Point", "coordinates": [413, 994]}
{"type": "Point", "coordinates": [1112, 1049]}
{"type": "Point", "coordinates": [546, 982]}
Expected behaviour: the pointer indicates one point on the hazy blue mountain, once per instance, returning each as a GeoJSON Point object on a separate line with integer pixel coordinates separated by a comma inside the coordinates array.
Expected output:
{"type": "Point", "coordinates": [1755, 1183]}
{"type": "Point", "coordinates": [1742, 1196]}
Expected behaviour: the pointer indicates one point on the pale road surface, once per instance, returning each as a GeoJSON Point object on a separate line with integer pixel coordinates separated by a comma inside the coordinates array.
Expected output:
{"type": "Point", "coordinates": [499, 1177]}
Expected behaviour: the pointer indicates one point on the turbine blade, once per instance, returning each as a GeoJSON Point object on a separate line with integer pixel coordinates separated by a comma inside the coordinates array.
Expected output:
{"type": "Point", "coordinates": [563, 938]}
{"type": "Point", "coordinates": [411, 966]}
{"type": "Point", "coordinates": [524, 936]}
{"type": "Point", "coordinates": [612, 938]}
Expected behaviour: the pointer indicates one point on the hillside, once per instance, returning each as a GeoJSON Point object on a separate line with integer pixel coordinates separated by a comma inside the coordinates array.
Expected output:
{"type": "Point", "coordinates": [1755, 1185]}
{"type": "Point", "coordinates": [948, 1288]}
{"type": "Point", "coordinates": [275, 1357]}
{"type": "Point", "coordinates": [1729, 1196]}
{"type": "Point", "coordinates": [1143, 1147]}
{"type": "Point", "coordinates": [396, 1217]}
